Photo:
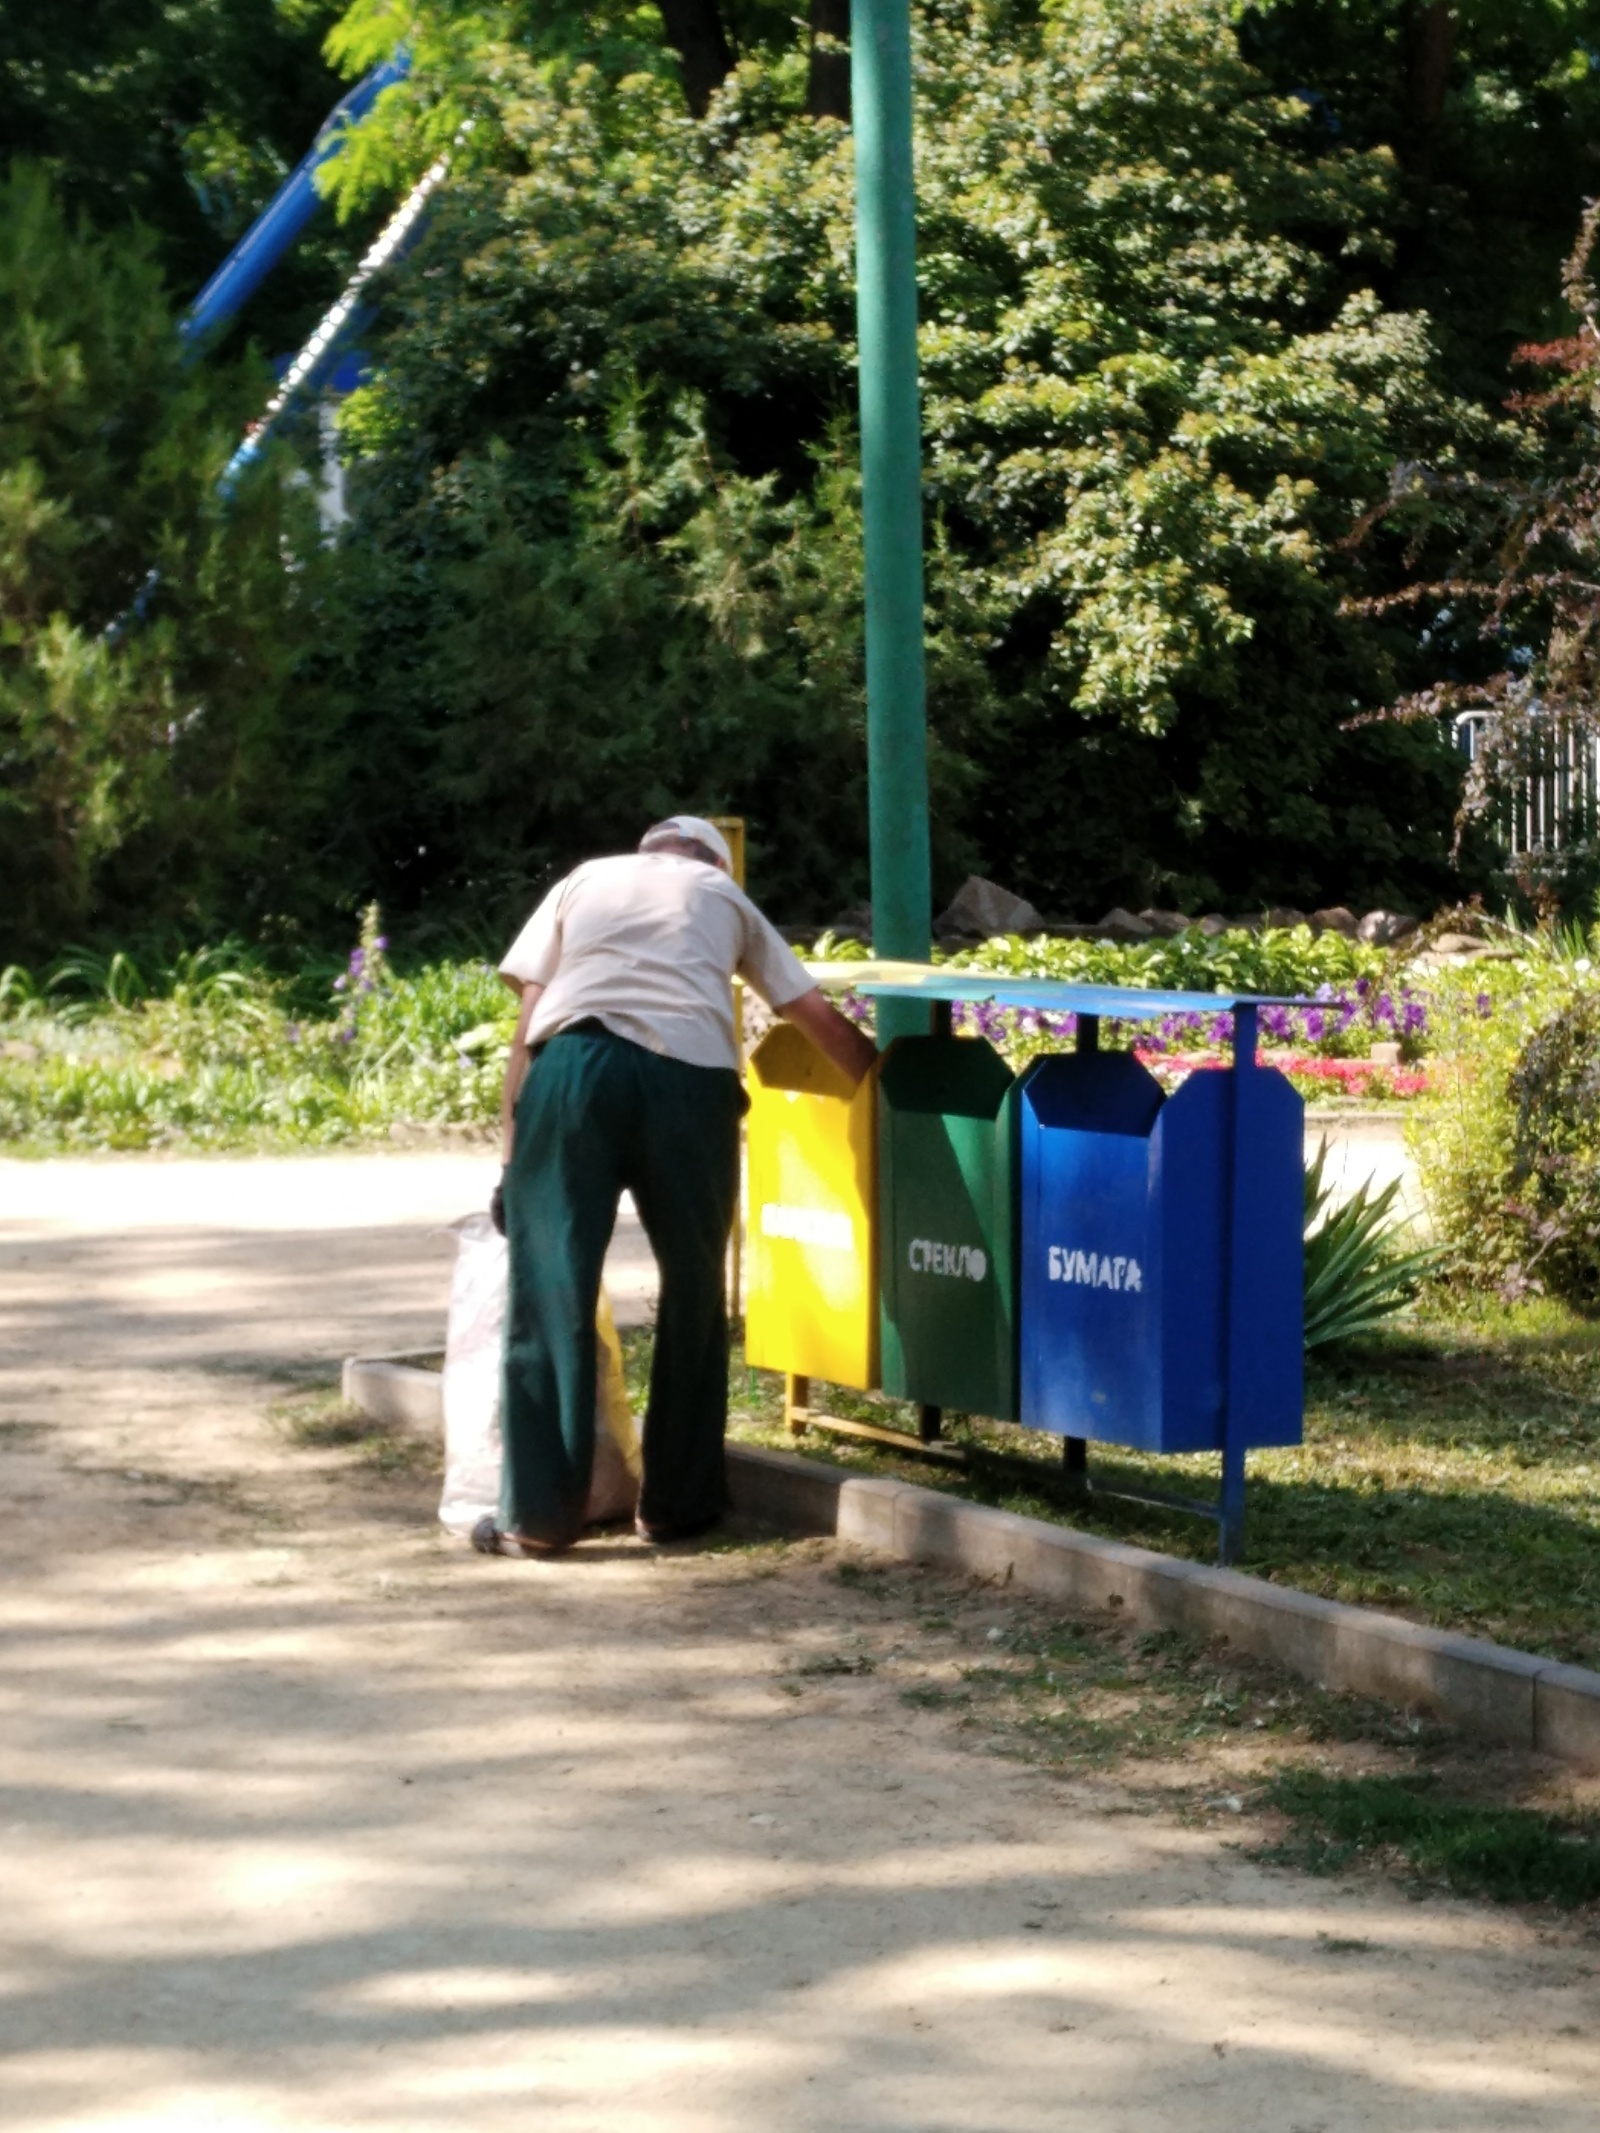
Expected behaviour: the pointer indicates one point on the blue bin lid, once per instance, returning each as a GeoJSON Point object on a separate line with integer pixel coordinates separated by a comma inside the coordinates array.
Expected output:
{"type": "Point", "coordinates": [1129, 1003]}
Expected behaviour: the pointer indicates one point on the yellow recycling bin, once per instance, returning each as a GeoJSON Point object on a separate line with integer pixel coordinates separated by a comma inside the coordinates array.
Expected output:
{"type": "Point", "coordinates": [811, 1296]}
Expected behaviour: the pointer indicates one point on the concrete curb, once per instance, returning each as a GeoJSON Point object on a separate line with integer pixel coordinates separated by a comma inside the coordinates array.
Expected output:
{"type": "Point", "coordinates": [1486, 1689]}
{"type": "Point", "coordinates": [395, 1390]}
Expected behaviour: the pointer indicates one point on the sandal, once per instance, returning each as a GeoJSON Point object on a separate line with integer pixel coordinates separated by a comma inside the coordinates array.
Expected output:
{"type": "Point", "coordinates": [655, 1535]}
{"type": "Point", "coordinates": [489, 1539]}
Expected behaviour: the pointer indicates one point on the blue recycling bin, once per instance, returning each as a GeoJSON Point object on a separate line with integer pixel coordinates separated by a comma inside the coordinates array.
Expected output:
{"type": "Point", "coordinates": [1161, 1262]}
{"type": "Point", "coordinates": [1161, 1258]}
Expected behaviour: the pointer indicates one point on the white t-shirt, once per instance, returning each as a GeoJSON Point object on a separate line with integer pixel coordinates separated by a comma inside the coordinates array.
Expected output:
{"type": "Point", "coordinates": [649, 943]}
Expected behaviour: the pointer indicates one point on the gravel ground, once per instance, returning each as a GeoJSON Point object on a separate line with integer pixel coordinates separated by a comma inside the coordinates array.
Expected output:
{"type": "Point", "coordinates": [312, 1819]}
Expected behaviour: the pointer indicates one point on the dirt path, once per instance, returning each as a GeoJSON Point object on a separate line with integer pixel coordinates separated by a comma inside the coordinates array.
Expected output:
{"type": "Point", "coordinates": [312, 1820]}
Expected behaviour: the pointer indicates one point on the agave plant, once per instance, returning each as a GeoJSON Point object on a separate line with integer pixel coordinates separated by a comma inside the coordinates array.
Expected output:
{"type": "Point", "coordinates": [1359, 1272]}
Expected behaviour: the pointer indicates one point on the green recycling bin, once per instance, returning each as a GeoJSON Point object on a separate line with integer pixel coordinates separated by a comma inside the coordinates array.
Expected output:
{"type": "Point", "coordinates": [946, 1197]}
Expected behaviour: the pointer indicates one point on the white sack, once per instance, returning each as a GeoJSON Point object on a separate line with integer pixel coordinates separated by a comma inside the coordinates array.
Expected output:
{"type": "Point", "coordinates": [472, 1444]}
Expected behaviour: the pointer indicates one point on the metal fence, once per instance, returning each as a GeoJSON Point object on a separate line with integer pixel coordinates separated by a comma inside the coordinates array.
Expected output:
{"type": "Point", "coordinates": [1555, 803]}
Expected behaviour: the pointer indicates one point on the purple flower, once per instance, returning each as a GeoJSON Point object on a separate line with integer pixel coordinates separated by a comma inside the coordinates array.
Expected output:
{"type": "Point", "coordinates": [1316, 1023]}
{"type": "Point", "coordinates": [292, 1032]}
{"type": "Point", "coordinates": [1415, 1019]}
{"type": "Point", "coordinates": [382, 941]}
{"type": "Point", "coordinates": [1485, 1004]}
{"type": "Point", "coordinates": [1363, 987]}
{"type": "Point", "coordinates": [340, 983]}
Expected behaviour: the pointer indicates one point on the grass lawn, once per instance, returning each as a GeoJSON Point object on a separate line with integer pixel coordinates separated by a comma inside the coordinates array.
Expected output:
{"type": "Point", "coordinates": [1450, 1473]}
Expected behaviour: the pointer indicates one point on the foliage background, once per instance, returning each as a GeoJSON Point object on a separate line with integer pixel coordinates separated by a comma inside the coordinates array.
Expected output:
{"type": "Point", "coordinates": [1195, 281]}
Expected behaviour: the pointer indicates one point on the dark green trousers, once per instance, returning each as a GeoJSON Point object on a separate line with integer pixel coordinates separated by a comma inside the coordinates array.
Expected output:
{"type": "Point", "coordinates": [598, 1117]}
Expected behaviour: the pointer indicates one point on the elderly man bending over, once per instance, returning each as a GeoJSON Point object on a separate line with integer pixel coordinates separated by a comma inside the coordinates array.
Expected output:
{"type": "Point", "coordinates": [623, 1076]}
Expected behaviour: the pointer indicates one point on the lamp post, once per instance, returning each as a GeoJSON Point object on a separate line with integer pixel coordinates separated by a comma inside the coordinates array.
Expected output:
{"type": "Point", "coordinates": [891, 488]}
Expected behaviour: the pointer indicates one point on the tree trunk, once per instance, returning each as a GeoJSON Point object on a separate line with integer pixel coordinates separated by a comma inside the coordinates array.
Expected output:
{"type": "Point", "coordinates": [1430, 52]}
{"type": "Point", "coordinates": [828, 86]}
{"type": "Point", "coordinates": [694, 31]}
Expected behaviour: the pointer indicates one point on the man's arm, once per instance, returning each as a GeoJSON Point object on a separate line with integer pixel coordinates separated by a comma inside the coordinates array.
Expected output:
{"type": "Point", "coordinates": [834, 1035]}
{"type": "Point", "coordinates": [516, 1069]}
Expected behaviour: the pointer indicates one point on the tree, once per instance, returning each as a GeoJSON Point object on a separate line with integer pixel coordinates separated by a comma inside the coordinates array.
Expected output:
{"type": "Point", "coordinates": [1490, 107]}
{"type": "Point", "coordinates": [1158, 387]}
{"type": "Point", "coordinates": [1508, 613]}
{"type": "Point", "coordinates": [138, 746]}
{"type": "Point", "coordinates": [183, 116]}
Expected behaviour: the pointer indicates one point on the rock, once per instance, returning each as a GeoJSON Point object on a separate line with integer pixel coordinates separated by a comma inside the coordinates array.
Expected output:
{"type": "Point", "coordinates": [1280, 917]}
{"type": "Point", "coordinates": [1385, 1053]}
{"type": "Point", "coordinates": [1460, 944]}
{"type": "Point", "coordinates": [1384, 928]}
{"type": "Point", "coordinates": [854, 924]}
{"type": "Point", "coordinates": [1336, 919]}
{"type": "Point", "coordinates": [1165, 925]}
{"type": "Point", "coordinates": [1212, 924]}
{"type": "Point", "coordinates": [982, 908]}
{"type": "Point", "coordinates": [1120, 925]}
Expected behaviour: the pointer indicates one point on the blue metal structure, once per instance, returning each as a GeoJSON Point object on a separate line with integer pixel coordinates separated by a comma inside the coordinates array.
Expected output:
{"type": "Point", "coordinates": [1160, 1239]}
{"type": "Point", "coordinates": [324, 354]}
{"type": "Point", "coordinates": [280, 223]}
{"type": "Point", "coordinates": [252, 260]}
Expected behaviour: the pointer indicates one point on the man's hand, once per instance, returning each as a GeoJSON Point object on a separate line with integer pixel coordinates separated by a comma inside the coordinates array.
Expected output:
{"type": "Point", "coordinates": [834, 1035]}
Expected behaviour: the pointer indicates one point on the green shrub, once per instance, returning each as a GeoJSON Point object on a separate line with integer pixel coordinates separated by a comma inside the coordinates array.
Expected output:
{"type": "Point", "coordinates": [1463, 1131]}
{"type": "Point", "coordinates": [1555, 1164]}
{"type": "Point", "coordinates": [1283, 959]}
{"type": "Point", "coordinates": [213, 1049]}
{"type": "Point", "coordinates": [1278, 959]}
{"type": "Point", "coordinates": [1359, 1271]}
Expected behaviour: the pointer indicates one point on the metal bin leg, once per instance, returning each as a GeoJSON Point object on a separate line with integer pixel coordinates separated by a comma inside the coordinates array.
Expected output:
{"type": "Point", "coordinates": [1075, 1465]}
{"type": "Point", "coordinates": [1230, 1537]}
{"type": "Point", "coordinates": [796, 1403]}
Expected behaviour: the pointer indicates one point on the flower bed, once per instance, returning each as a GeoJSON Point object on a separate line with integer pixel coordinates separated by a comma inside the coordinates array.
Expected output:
{"type": "Point", "coordinates": [1316, 1046]}
{"type": "Point", "coordinates": [216, 1050]}
{"type": "Point", "coordinates": [1318, 1079]}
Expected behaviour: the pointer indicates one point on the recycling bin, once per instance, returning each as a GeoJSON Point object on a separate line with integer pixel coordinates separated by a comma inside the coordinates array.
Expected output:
{"type": "Point", "coordinates": [811, 1300]}
{"type": "Point", "coordinates": [946, 1199]}
{"type": "Point", "coordinates": [1161, 1274]}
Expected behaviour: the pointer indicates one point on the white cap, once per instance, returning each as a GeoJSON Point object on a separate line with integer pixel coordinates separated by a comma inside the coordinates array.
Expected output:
{"type": "Point", "coordinates": [697, 830]}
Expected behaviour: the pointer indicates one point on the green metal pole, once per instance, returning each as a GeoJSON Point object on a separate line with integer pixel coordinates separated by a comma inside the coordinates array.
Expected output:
{"type": "Point", "coordinates": [891, 485]}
